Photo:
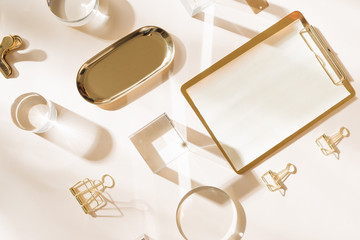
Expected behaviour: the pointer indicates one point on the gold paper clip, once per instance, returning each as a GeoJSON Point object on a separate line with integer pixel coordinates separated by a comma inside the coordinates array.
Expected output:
{"type": "Point", "coordinates": [8, 43]}
{"type": "Point", "coordinates": [89, 193]}
{"type": "Point", "coordinates": [279, 178]}
{"type": "Point", "coordinates": [332, 141]}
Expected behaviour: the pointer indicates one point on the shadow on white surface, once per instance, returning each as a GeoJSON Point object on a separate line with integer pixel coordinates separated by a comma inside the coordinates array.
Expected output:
{"type": "Point", "coordinates": [143, 237]}
{"type": "Point", "coordinates": [229, 26]}
{"type": "Point", "coordinates": [110, 210]}
{"type": "Point", "coordinates": [272, 8]}
{"type": "Point", "coordinates": [201, 143]}
{"type": "Point", "coordinates": [114, 19]}
{"type": "Point", "coordinates": [116, 209]}
{"type": "Point", "coordinates": [243, 186]}
{"type": "Point", "coordinates": [79, 136]}
{"type": "Point", "coordinates": [34, 55]}
{"type": "Point", "coordinates": [179, 57]}
{"type": "Point", "coordinates": [239, 27]}
{"type": "Point", "coordinates": [240, 186]}
{"type": "Point", "coordinates": [277, 10]}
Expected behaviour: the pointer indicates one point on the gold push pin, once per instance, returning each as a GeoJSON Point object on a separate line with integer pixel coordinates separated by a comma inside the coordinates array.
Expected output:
{"type": "Point", "coordinates": [89, 193]}
{"type": "Point", "coordinates": [279, 178]}
{"type": "Point", "coordinates": [8, 43]}
{"type": "Point", "coordinates": [331, 142]}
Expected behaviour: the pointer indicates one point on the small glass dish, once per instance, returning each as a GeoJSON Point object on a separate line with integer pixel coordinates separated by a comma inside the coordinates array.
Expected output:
{"type": "Point", "coordinates": [74, 12]}
{"type": "Point", "coordinates": [33, 113]}
{"type": "Point", "coordinates": [209, 213]}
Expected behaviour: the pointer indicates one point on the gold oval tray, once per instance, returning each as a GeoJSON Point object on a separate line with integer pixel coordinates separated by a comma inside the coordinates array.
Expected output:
{"type": "Point", "coordinates": [124, 65]}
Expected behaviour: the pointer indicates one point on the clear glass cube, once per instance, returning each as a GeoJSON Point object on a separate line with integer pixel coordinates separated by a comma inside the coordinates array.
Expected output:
{"type": "Point", "coordinates": [195, 6]}
{"type": "Point", "coordinates": [159, 143]}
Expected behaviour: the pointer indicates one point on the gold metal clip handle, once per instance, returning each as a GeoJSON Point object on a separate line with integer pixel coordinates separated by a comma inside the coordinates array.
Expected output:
{"type": "Point", "coordinates": [326, 52]}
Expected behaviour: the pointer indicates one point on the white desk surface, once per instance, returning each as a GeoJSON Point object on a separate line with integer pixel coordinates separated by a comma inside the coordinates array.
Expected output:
{"type": "Point", "coordinates": [322, 200]}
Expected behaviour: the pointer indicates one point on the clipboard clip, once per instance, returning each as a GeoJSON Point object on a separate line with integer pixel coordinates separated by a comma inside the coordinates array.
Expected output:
{"type": "Point", "coordinates": [8, 44]}
{"type": "Point", "coordinates": [278, 178]}
{"type": "Point", "coordinates": [331, 142]}
{"type": "Point", "coordinates": [326, 52]}
{"type": "Point", "coordinates": [89, 193]}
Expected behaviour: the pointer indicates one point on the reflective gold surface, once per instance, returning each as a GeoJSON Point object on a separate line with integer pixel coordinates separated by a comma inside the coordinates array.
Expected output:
{"type": "Point", "coordinates": [8, 43]}
{"type": "Point", "coordinates": [124, 65]}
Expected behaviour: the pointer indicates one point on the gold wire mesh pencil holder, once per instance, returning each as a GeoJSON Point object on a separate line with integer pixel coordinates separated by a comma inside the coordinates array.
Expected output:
{"type": "Point", "coordinates": [89, 193]}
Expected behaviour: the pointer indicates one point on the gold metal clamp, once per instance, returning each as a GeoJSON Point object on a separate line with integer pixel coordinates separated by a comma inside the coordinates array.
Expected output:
{"type": "Point", "coordinates": [8, 43]}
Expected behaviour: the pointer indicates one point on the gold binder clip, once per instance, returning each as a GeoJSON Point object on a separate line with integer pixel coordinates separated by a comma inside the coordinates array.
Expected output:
{"type": "Point", "coordinates": [279, 178]}
{"type": "Point", "coordinates": [332, 141]}
{"type": "Point", "coordinates": [8, 43]}
{"type": "Point", "coordinates": [89, 193]}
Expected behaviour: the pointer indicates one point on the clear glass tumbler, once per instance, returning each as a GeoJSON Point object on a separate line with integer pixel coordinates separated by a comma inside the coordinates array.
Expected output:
{"type": "Point", "coordinates": [33, 113]}
{"type": "Point", "coordinates": [74, 12]}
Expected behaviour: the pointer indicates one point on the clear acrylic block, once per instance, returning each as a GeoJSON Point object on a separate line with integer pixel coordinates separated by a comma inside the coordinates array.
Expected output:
{"type": "Point", "coordinates": [196, 6]}
{"type": "Point", "coordinates": [159, 143]}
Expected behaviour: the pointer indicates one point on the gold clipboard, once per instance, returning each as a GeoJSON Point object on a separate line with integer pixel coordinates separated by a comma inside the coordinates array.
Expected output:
{"type": "Point", "coordinates": [268, 91]}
